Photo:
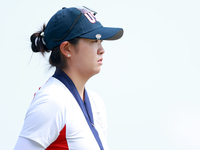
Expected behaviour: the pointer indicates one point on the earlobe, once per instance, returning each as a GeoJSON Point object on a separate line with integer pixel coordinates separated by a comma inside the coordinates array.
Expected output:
{"type": "Point", "coordinates": [65, 48]}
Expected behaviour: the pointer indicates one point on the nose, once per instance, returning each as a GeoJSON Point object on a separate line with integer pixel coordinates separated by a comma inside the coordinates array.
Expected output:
{"type": "Point", "coordinates": [101, 50]}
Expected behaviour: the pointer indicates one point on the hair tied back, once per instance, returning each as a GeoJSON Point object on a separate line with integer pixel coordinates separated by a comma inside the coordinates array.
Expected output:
{"type": "Point", "coordinates": [38, 43]}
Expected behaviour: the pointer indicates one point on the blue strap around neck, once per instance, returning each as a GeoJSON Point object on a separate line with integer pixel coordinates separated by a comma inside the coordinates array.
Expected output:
{"type": "Point", "coordinates": [84, 105]}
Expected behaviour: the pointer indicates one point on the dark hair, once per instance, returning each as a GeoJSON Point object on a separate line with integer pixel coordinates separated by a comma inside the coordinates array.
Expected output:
{"type": "Point", "coordinates": [56, 58]}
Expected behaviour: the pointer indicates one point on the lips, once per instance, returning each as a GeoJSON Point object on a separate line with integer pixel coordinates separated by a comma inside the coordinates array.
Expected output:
{"type": "Point", "coordinates": [100, 60]}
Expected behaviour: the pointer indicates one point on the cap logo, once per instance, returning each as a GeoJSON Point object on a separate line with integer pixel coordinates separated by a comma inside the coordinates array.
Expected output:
{"type": "Point", "coordinates": [90, 17]}
{"type": "Point", "coordinates": [98, 36]}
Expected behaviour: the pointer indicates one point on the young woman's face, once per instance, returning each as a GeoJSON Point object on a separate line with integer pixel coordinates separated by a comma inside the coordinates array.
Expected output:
{"type": "Point", "coordinates": [87, 57]}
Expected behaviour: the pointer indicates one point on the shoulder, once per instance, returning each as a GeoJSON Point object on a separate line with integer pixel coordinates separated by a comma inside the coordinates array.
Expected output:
{"type": "Point", "coordinates": [48, 101]}
{"type": "Point", "coordinates": [47, 113]}
{"type": "Point", "coordinates": [52, 87]}
{"type": "Point", "coordinates": [51, 101]}
{"type": "Point", "coordinates": [52, 92]}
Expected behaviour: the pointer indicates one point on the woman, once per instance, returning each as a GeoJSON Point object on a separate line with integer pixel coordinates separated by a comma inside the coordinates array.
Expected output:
{"type": "Point", "coordinates": [63, 114]}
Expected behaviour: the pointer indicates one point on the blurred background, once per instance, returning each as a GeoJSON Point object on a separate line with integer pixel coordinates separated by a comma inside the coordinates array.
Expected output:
{"type": "Point", "coordinates": [150, 79]}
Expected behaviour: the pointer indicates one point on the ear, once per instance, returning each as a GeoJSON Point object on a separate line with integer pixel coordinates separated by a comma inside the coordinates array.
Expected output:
{"type": "Point", "coordinates": [65, 48]}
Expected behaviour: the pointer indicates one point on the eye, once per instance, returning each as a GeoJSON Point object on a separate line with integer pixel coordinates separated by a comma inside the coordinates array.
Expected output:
{"type": "Point", "coordinates": [95, 41]}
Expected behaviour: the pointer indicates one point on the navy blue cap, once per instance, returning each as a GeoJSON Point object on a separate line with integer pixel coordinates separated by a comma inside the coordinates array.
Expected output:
{"type": "Point", "coordinates": [69, 23]}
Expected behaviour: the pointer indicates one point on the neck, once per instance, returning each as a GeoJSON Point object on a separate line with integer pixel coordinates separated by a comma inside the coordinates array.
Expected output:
{"type": "Point", "coordinates": [78, 80]}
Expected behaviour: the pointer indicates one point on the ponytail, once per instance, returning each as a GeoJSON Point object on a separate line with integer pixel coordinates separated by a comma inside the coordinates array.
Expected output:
{"type": "Point", "coordinates": [37, 42]}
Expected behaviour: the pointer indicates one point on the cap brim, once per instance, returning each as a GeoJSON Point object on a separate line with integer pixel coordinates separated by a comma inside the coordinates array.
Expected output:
{"type": "Point", "coordinates": [106, 33]}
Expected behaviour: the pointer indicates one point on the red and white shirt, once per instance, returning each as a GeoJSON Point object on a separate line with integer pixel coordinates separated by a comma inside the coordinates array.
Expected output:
{"type": "Point", "coordinates": [55, 120]}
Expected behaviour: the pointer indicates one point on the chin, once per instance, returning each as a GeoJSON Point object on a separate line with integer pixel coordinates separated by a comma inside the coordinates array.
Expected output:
{"type": "Point", "coordinates": [96, 72]}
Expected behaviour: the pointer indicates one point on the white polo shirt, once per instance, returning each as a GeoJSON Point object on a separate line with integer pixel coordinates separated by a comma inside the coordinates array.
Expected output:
{"type": "Point", "coordinates": [55, 119]}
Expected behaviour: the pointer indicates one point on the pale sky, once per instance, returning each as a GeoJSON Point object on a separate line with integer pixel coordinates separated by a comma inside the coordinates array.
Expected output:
{"type": "Point", "coordinates": [150, 79]}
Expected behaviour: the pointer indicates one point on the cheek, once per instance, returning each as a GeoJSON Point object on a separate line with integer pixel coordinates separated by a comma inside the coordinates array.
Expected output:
{"type": "Point", "coordinates": [89, 55]}
{"type": "Point", "coordinates": [88, 60]}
